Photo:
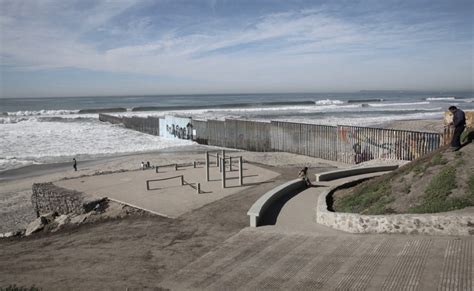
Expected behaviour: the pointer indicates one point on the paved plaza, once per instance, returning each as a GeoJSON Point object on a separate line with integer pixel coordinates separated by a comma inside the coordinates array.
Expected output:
{"type": "Point", "coordinates": [168, 197]}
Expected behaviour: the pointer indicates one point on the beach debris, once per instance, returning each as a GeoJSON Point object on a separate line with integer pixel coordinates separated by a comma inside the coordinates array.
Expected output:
{"type": "Point", "coordinates": [36, 225]}
{"type": "Point", "coordinates": [80, 218]}
{"type": "Point", "coordinates": [59, 222]}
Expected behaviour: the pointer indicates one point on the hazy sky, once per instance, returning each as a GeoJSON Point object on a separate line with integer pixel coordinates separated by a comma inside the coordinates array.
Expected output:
{"type": "Point", "coordinates": [115, 47]}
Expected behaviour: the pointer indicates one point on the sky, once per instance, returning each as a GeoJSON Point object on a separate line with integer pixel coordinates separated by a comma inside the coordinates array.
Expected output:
{"type": "Point", "coordinates": [121, 47]}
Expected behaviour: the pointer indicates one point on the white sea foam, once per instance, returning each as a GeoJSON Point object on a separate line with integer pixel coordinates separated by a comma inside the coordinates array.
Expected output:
{"type": "Point", "coordinates": [329, 102]}
{"type": "Point", "coordinates": [398, 104]}
{"type": "Point", "coordinates": [42, 112]}
{"type": "Point", "coordinates": [364, 120]}
{"type": "Point", "coordinates": [38, 142]}
{"type": "Point", "coordinates": [440, 98]}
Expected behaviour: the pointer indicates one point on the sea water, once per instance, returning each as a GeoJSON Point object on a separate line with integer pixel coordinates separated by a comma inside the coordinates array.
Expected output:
{"type": "Point", "coordinates": [48, 130]}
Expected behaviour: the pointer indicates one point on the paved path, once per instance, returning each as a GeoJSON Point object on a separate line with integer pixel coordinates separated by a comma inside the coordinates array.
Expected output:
{"type": "Point", "coordinates": [299, 254]}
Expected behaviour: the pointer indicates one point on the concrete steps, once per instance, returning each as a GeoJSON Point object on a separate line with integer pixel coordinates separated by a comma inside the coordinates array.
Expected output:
{"type": "Point", "coordinates": [256, 259]}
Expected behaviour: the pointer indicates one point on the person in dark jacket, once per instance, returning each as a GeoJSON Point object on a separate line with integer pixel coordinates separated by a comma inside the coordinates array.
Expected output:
{"type": "Point", "coordinates": [74, 164]}
{"type": "Point", "coordinates": [459, 123]}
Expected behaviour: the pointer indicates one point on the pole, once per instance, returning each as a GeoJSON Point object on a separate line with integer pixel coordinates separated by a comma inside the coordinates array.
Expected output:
{"type": "Point", "coordinates": [223, 173]}
{"type": "Point", "coordinates": [217, 160]}
{"type": "Point", "coordinates": [198, 188]}
{"type": "Point", "coordinates": [207, 166]}
{"type": "Point", "coordinates": [230, 164]}
{"type": "Point", "coordinates": [241, 172]}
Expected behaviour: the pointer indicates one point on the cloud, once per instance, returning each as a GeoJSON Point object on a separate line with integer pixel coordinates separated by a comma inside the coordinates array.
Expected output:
{"type": "Point", "coordinates": [294, 47]}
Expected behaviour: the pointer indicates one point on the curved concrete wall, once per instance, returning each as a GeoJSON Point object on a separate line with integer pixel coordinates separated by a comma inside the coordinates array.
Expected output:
{"type": "Point", "coordinates": [434, 224]}
{"type": "Point", "coordinates": [343, 173]}
{"type": "Point", "coordinates": [261, 205]}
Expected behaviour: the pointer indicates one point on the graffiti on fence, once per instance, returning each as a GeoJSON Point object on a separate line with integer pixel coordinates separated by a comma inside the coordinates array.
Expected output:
{"type": "Point", "coordinates": [368, 143]}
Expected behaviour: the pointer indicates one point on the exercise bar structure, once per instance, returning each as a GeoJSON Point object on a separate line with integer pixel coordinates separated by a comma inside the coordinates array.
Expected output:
{"type": "Point", "coordinates": [221, 161]}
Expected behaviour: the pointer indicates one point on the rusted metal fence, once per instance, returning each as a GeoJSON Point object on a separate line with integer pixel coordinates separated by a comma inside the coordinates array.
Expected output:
{"type": "Point", "coordinates": [247, 135]}
{"type": "Point", "coordinates": [348, 144]}
{"type": "Point", "coordinates": [110, 118]}
{"type": "Point", "coordinates": [216, 133]}
{"type": "Point", "coordinates": [304, 139]}
{"type": "Point", "coordinates": [360, 144]}
{"type": "Point", "coordinates": [200, 127]}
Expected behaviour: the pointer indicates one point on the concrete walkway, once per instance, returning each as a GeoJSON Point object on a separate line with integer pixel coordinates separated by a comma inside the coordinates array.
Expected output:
{"type": "Point", "coordinates": [298, 254]}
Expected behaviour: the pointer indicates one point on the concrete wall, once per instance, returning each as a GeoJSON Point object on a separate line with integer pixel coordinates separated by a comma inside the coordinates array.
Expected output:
{"type": "Point", "coordinates": [176, 127]}
{"type": "Point", "coordinates": [48, 197]}
{"type": "Point", "coordinates": [432, 224]}
{"type": "Point", "coordinates": [257, 210]}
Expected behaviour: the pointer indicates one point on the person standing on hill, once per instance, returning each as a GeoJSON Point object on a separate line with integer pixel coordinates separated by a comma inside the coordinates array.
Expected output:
{"type": "Point", "coordinates": [459, 123]}
{"type": "Point", "coordinates": [74, 164]}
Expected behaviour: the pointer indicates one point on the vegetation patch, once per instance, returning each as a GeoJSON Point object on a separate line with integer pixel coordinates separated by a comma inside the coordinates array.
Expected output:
{"type": "Point", "coordinates": [19, 288]}
{"type": "Point", "coordinates": [438, 160]}
{"type": "Point", "coordinates": [470, 185]}
{"type": "Point", "coordinates": [438, 182]}
{"type": "Point", "coordinates": [436, 198]}
{"type": "Point", "coordinates": [366, 199]}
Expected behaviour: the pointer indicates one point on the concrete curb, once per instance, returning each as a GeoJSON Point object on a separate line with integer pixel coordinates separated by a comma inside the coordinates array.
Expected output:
{"type": "Point", "coordinates": [431, 224]}
{"type": "Point", "coordinates": [343, 173]}
{"type": "Point", "coordinates": [263, 203]}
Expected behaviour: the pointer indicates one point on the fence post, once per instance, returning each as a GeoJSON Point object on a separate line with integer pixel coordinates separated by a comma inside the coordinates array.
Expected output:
{"type": "Point", "coordinates": [198, 188]}
{"type": "Point", "coordinates": [207, 166]}
{"type": "Point", "coordinates": [230, 164]}
{"type": "Point", "coordinates": [182, 180]}
{"type": "Point", "coordinates": [175, 167]}
{"type": "Point", "coordinates": [147, 185]}
{"type": "Point", "coordinates": [194, 164]}
{"type": "Point", "coordinates": [241, 171]}
{"type": "Point", "coordinates": [156, 169]}
{"type": "Point", "coordinates": [217, 160]}
{"type": "Point", "coordinates": [223, 173]}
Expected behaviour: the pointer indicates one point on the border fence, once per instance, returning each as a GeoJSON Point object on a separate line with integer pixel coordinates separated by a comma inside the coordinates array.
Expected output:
{"type": "Point", "coordinates": [347, 144]}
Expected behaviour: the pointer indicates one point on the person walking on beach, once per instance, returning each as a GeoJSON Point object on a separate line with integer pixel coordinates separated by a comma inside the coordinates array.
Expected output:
{"type": "Point", "coordinates": [303, 174]}
{"type": "Point", "coordinates": [459, 123]}
{"type": "Point", "coordinates": [143, 165]}
{"type": "Point", "coordinates": [74, 164]}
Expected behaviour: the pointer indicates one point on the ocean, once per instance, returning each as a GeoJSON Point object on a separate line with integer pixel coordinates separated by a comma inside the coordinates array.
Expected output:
{"type": "Point", "coordinates": [50, 130]}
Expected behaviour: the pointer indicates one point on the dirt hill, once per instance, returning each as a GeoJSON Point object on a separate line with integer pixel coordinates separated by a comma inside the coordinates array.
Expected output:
{"type": "Point", "coordinates": [441, 181]}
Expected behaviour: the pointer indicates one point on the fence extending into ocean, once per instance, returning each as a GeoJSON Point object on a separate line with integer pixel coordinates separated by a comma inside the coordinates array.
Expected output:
{"type": "Point", "coordinates": [347, 144]}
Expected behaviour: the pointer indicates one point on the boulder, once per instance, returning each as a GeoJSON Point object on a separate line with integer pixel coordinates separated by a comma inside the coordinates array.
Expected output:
{"type": "Point", "coordinates": [37, 225]}
{"type": "Point", "coordinates": [78, 219]}
{"type": "Point", "coordinates": [8, 234]}
{"type": "Point", "coordinates": [59, 222]}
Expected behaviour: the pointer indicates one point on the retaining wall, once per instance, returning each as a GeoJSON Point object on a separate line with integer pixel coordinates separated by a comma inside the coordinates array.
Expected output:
{"type": "Point", "coordinates": [48, 197]}
{"type": "Point", "coordinates": [257, 210]}
{"type": "Point", "coordinates": [432, 224]}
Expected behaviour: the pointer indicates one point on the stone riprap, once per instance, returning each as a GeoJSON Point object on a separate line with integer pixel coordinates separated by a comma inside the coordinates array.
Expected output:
{"type": "Point", "coordinates": [432, 224]}
{"type": "Point", "coordinates": [48, 197]}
